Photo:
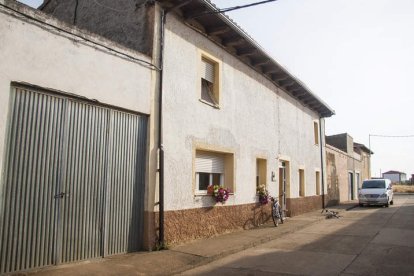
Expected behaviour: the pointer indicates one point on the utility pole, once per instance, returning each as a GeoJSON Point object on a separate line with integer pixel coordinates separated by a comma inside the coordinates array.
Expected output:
{"type": "Point", "coordinates": [369, 163]}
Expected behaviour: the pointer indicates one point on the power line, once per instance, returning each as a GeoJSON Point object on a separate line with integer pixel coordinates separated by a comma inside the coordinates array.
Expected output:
{"type": "Point", "coordinates": [234, 8]}
{"type": "Point", "coordinates": [244, 6]}
{"type": "Point", "coordinates": [392, 136]}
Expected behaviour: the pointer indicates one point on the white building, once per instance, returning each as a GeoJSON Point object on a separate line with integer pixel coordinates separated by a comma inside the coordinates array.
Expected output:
{"type": "Point", "coordinates": [395, 176]}
{"type": "Point", "coordinates": [219, 110]}
{"type": "Point", "coordinates": [74, 111]}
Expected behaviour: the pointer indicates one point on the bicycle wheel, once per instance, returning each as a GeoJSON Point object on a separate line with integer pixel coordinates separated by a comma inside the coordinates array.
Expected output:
{"type": "Point", "coordinates": [282, 219]}
{"type": "Point", "coordinates": [275, 218]}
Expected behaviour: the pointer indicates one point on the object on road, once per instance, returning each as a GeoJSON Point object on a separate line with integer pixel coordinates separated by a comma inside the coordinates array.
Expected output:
{"type": "Point", "coordinates": [330, 214]}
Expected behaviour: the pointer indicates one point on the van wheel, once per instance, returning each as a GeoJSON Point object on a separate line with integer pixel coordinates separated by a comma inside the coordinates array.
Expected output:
{"type": "Point", "coordinates": [392, 202]}
{"type": "Point", "coordinates": [361, 205]}
{"type": "Point", "coordinates": [387, 204]}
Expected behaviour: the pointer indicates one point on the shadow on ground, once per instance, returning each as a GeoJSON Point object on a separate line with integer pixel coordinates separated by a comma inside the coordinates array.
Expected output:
{"type": "Point", "coordinates": [365, 241]}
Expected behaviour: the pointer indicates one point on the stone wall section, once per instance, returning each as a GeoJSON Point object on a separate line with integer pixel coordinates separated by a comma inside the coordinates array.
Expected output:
{"type": "Point", "coordinates": [198, 223]}
{"type": "Point", "coordinates": [301, 205]}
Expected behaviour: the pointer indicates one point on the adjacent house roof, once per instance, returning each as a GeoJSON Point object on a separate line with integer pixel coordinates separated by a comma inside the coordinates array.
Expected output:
{"type": "Point", "coordinates": [393, 172]}
{"type": "Point", "coordinates": [362, 147]}
{"type": "Point", "coordinates": [203, 16]}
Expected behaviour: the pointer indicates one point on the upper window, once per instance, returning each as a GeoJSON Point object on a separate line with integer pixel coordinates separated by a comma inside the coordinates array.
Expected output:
{"type": "Point", "coordinates": [316, 132]}
{"type": "Point", "coordinates": [210, 81]}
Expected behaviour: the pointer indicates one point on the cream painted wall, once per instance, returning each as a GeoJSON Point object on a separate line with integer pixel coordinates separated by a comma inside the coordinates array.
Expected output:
{"type": "Point", "coordinates": [41, 55]}
{"type": "Point", "coordinates": [255, 119]}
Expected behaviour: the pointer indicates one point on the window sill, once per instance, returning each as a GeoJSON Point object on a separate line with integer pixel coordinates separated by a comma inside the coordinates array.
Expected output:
{"type": "Point", "coordinates": [202, 194]}
{"type": "Point", "coordinates": [216, 106]}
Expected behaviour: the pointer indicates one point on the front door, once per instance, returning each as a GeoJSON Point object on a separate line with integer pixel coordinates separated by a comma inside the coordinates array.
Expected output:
{"type": "Point", "coordinates": [351, 186]}
{"type": "Point", "coordinates": [282, 185]}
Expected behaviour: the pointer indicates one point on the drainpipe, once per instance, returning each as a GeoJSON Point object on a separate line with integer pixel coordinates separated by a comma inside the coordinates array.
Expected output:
{"type": "Point", "coordinates": [322, 161]}
{"type": "Point", "coordinates": [160, 145]}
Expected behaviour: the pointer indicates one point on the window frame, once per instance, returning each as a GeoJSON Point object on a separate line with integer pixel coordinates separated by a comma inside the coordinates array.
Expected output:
{"type": "Point", "coordinates": [261, 172]}
{"type": "Point", "coordinates": [216, 85]}
{"type": "Point", "coordinates": [204, 192]}
{"type": "Point", "coordinates": [227, 175]}
{"type": "Point", "coordinates": [316, 131]}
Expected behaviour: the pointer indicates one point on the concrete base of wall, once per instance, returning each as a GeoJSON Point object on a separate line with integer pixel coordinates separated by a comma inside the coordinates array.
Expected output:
{"type": "Point", "coordinates": [191, 224]}
{"type": "Point", "coordinates": [301, 205]}
{"type": "Point", "coordinates": [186, 225]}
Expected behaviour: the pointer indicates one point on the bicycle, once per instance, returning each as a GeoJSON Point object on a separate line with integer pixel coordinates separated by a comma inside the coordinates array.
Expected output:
{"type": "Point", "coordinates": [330, 214]}
{"type": "Point", "coordinates": [277, 212]}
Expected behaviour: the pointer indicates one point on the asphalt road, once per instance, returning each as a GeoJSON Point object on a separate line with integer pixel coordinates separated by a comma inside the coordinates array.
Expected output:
{"type": "Point", "coordinates": [364, 241]}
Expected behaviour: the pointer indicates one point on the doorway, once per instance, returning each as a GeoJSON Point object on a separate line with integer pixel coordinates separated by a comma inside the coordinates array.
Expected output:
{"type": "Point", "coordinates": [350, 186]}
{"type": "Point", "coordinates": [74, 181]}
{"type": "Point", "coordinates": [283, 183]}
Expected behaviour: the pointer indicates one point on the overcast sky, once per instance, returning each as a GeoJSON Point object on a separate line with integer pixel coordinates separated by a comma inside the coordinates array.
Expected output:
{"type": "Point", "coordinates": [357, 55]}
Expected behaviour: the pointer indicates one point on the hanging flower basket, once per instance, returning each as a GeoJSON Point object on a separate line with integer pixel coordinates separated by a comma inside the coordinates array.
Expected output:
{"type": "Point", "coordinates": [263, 194]}
{"type": "Point", "coordinates": [219, 193]}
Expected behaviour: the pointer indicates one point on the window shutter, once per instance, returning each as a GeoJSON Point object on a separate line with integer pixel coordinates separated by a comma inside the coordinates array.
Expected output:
{"type": "Point", "coordinates": [207, 71]}
{"type": "Point", "coordinates": [209, 163]}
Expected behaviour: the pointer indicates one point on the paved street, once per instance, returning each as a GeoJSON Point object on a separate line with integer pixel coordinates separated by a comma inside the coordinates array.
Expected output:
{"type": "Point", "coordinates": [365, 241]}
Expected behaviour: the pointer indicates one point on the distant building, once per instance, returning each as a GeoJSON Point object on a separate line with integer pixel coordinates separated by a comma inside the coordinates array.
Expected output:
{"type": "Point", "coordinates": [347, 165]}
{"type": "Point", "coordinates": [395, 176]}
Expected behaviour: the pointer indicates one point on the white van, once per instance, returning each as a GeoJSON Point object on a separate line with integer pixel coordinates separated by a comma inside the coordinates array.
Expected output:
{"type": "Point", "coordinates": [376, 191]}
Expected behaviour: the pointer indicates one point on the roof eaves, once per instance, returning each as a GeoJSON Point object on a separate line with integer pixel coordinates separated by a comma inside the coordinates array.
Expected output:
{"type": "Point", "coordinates": [288, 82]}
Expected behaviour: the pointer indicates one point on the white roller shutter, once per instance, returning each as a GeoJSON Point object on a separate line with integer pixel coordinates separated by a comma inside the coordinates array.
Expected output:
{"type": "Point", "coordinates": [207, 70]}
{"type": "Point", "coordinates": [209, 163]}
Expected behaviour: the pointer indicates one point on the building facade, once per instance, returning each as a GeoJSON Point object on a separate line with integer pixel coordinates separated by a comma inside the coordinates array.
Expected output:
{"type": "Point", "coordinates": [347, 165]}
{"type": "Point", "coordinates": [171, 98]}
{"type": "Point", "coordinates": [73, 142]}
{"type": "Point", "coordinates": [251, 126]}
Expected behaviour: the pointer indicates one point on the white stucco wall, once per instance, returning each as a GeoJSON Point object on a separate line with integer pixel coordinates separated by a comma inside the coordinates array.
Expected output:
{"type": "Point", "coordinates": [255, 119]}
{"type": "Point", "coordinates": [42, 55]}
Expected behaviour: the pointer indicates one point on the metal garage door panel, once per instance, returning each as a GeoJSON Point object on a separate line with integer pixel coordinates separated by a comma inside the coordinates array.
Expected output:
{"type": "Point", "coordinates": [126, 180]}
{"type": "Point", "coordinates": [27, 229]}
{"type": "Point", "coordinates": [84, 178]}
{"type": "Point", "coordinates": [73, 185]}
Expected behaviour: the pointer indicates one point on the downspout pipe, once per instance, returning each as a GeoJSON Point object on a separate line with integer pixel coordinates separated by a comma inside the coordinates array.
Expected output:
{"type": "Point", "coordinates": [322, 161]}
{"type": "Point", "coordinates": [161, 242]}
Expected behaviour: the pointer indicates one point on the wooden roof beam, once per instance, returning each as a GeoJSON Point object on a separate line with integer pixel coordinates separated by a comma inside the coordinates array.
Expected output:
{"type": "Point", "coordinates": [279, 76]}
{"type": "Point", "coordinates": [294, 86]}
{"type": "Point", "coordinates": [179, 5]}
{"type": "Point", "coordinates": [190, 14]}
{"type": "Point", "coordinates": [246, 52]}
{"type": "Point", "coordinates": [260, 62]}
{"type": "Point", "coordinates": [232, 41]}
{"type": "Point", "coordinates": [270, 69]}
{"type": "Point", "coordinates": [298, 92]}
{"type": "Point", "coordinates": [216, 30]}
{"type": "Point", "coordinates": [286, 82]}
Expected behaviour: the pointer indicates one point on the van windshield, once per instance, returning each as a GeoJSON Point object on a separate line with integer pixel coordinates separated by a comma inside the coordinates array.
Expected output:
{"type": "Point", "coordinates": [375, 184]}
